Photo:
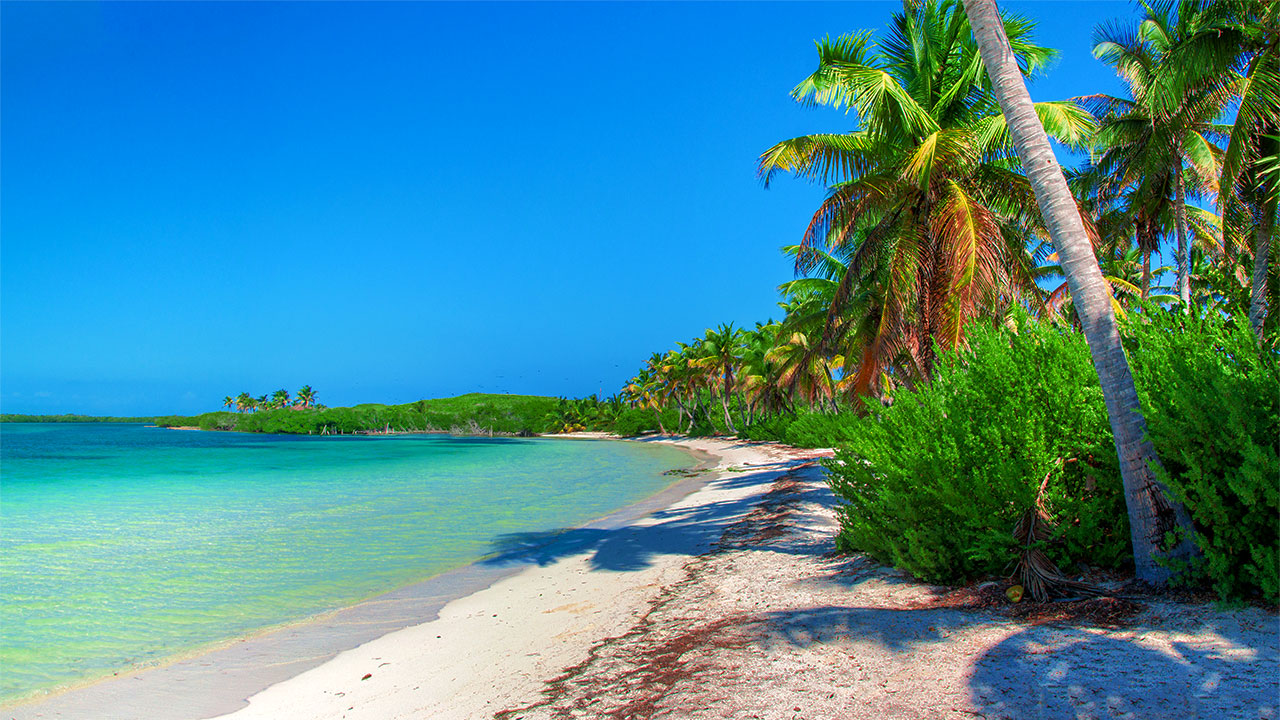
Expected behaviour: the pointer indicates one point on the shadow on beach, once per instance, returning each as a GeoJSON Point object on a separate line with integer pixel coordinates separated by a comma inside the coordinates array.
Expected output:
{"type": "Point", "coordinates": [677, 530]}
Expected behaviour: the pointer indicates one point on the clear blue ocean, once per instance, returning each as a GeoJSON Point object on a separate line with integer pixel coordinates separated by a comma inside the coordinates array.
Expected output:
{"type": "Point", "coordinates": [124, 544]}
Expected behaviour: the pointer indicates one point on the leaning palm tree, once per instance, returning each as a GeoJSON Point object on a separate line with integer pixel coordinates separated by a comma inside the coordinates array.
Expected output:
{"type": "Point", "coordinates": [1152, 513]}
{"type": "Point", "coordinates": [927, 190]}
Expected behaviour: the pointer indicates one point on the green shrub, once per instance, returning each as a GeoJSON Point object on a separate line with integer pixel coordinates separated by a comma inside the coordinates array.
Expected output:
{"type": "Point", "coordinates": [635, 421]}
{"type": "Point", "coordinates": [1212, 403]}
{"type": "Point", "coordinates": [936, 482]}
{"type": "Point", "coordinates": [772, 429]}
{"type": "Point", "coordinates": [821, 430]}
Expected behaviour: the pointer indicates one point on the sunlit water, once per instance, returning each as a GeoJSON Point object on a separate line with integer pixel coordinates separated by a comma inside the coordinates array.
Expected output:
{"type": "Point", "coordinates": [123, 544]}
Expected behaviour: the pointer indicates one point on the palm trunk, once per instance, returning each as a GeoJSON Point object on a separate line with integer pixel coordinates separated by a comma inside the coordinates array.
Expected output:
{"type": "Point", "coordinates": [1261, 262]}
{"type": "Point", "coordinates": [724, 400]}
{"type": "Point", "coordinates": [1151, 512]}
{"type": "Point", "coordinates": [1183, 257]}
{"type": "Point", "coordinates": [1146, 274]}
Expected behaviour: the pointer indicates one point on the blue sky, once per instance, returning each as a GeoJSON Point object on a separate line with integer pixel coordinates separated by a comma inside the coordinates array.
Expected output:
{"type": "Point", "coordinates": [401, 200]}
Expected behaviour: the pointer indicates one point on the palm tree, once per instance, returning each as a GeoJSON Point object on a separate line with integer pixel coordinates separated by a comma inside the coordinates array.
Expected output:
{"type": "Point", "coordinates": [721, 355]}
{"type": "Point", "coordinates": [306, 396]}
{"type": "Point", "coordinates": [1151, 511]}
{"type": "Point", "coordinates": [1127, 271]}
{"type": "Point", "coordinates": [244, 401]}
{"type": "Point", "coordinates": [1236, 44]}
{"type": "Point", "coordinates": [1167, 146]}
{"type": "Point", "coordinates": [927, 191]}
{"type": "Point", "coordinates": [280, 398]}
{"type": "Point", "coordinates": [228, 402]}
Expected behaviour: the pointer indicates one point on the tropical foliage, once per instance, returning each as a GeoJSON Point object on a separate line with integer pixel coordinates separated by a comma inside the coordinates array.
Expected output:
{"type": "Point", "coordinates": [930, 236]}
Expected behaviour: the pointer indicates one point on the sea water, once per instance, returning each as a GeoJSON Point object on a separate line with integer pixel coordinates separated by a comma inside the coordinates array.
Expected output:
{"type": "Point", "coordinates": [122, 544]}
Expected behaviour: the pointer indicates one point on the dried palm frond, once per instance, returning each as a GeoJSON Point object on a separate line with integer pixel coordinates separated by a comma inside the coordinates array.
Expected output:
{"type": "Point", "coordinates": [1037, 573]}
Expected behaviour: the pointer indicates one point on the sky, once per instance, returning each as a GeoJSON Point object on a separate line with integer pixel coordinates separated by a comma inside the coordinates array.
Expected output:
{"type": "Point", "coordinates": [396, 201]}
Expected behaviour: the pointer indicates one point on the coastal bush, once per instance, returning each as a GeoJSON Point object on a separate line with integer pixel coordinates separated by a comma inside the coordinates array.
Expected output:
{"type": "Point", "coordinates": [770, 429]}
{"type": "Point", "coordinates": [635, 421]}
{"type": "Point", "coordinates": [1212, 403]}
{"type": "Point", "coordinates": [935, 482]}
{"type": "Point", "coordinates": [821, 430]}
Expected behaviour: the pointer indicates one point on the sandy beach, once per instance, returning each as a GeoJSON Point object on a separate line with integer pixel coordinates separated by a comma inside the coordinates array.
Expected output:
{"type": "Point", "coordinates": [721, 599]}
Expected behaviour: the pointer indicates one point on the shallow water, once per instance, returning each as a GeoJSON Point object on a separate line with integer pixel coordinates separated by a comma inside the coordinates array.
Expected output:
{"type": "Point", "coordinates": [123, 544]}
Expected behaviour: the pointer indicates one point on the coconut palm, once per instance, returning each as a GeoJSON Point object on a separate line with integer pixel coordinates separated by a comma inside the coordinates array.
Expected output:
{"type": "Point", "coordinates": [721, 351]}
{"type": "Point", "coordinates": [1236, 44]}
{"type": "Point", "coordinates": [926, 191]}
{"type": "Point", "coordinates": [244, 401]}
{"type": "Point", "coordinates": [228, 402]}
{"type": "Point", "coordinates": [1167, 146]}
{"type": "Point", "coordinates": [1151, 511]}
{"type": "Point", "coordinates": [279, 398]}
{"type": "Point", "coordinates": [306, 396]}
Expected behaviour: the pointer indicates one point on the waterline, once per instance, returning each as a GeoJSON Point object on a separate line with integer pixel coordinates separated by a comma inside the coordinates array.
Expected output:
{"type": "Point", "coordinates": [124, 545]}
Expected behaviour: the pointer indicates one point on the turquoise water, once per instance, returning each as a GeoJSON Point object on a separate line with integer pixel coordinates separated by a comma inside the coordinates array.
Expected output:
{"type": "Point", "coordinates": [123, 544]}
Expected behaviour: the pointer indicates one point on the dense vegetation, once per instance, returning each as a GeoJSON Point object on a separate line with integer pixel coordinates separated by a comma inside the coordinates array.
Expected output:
{"type": "Point", "coordinates": [933, 335]}
{"type": "Point", "coordinates": [70, 418]}
{"type": "Point", "coordinates": [472, 414]}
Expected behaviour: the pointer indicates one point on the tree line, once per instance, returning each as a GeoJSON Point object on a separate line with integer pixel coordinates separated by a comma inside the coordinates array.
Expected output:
{"type": "Point", "coordinates": [244, 402]}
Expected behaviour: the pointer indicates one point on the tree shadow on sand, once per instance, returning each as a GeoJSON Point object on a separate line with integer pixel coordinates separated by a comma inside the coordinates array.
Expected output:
{"type": "Point", "coordinates": [690, 531]}
{"type": "Point", "coordinates": [1053, 672]}
{"type": "Point", "coordinates": [1221, 670]}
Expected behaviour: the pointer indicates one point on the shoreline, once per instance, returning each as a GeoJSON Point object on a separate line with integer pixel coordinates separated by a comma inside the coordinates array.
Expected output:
{"type": "Point", "coordinates": [236, 668]}
{"type": "Point", "coordinates": [732, 601]}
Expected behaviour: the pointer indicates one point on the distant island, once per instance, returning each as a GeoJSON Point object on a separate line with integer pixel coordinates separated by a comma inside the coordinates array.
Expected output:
{"type": "Point", "coordinates": [70, 418]}
{"type": "Point", "coordinates": [470, 414]}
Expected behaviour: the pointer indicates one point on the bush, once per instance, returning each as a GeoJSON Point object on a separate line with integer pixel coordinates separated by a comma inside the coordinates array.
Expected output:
{"type": "Point", "coordinates": [771, 429]}
{"type": "Point", "coordinates": [821, 430]}
{"type": "Point", "coordinates": [1212, 403]}
{"type": "Point", "coordinates": [634, 421]}
{"type": "Point", "coordinates": [936, 482]}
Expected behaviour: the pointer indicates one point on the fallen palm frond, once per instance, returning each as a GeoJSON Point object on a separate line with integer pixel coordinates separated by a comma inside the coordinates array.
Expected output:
{"type": "Point", "coordinates": [1037, 573]}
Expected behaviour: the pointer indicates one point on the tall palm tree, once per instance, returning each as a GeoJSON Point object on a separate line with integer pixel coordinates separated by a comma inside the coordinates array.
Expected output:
{"type": "Point", "coordinates": [927, 190]}
{"type": "Point", "coordinates": [228, 402]}
{"type": "Point", "coordinates": [721, 355]}
{"type": "Point", "coordinates": [1236, 44]}
{"type": "Point", "coordinates": [1151, 511]}
{"type": "Point", "coordinates": [1167, 146]}
{"type": "Point", "coordinates": [244, 401]}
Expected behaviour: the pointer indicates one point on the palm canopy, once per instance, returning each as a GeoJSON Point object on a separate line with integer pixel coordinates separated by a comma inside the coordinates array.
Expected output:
{"type": "Point", "coordinates": [1165, 139]}
{"type": "Point", "coordinates": [925, 192]}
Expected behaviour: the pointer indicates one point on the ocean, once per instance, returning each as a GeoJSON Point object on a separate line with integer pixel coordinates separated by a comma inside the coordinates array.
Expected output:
{"type": "Point", "coordinates": [122, 545]}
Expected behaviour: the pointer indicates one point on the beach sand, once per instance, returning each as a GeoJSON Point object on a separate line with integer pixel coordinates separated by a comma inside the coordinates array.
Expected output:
{"type": "Point", "coordinates": [726, 602]}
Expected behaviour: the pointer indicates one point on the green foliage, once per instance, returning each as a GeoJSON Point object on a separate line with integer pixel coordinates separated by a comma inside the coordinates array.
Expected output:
{"type": "Point", "coordinates": [808, 429]}
{"type": "Point", "coordinates": [935, 482]}
{"type": "Point", "coordinates": [69, 418]}
{"type": "Point", "coordinates": [471, 414]}
{"type": "Point", "coordinates": [1212, 403]}
{"type": "Point", "coordinates": [772, 428]}
{"type": "Point", "coordinates": [638, 421]}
